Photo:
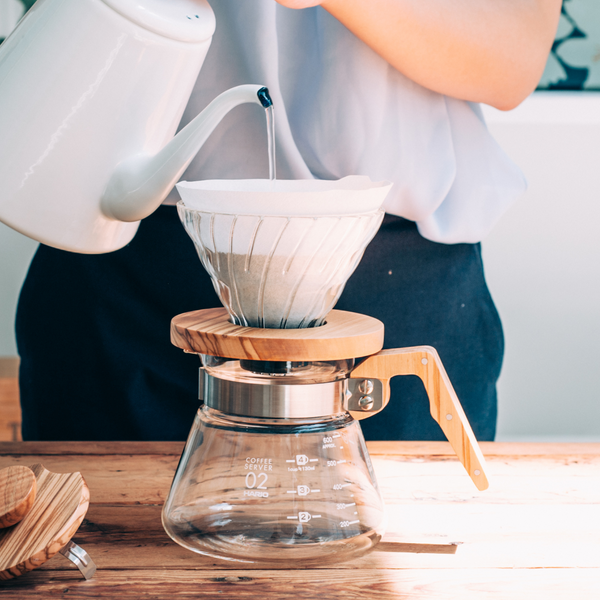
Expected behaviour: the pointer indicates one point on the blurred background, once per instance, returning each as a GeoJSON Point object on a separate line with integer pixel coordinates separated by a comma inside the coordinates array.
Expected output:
{"type": "Point", "coordinates": [542, 260]}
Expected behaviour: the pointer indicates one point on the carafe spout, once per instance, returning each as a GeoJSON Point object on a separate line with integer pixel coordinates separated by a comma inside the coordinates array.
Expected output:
{"type": "Point", "coordinates": [141, 183]}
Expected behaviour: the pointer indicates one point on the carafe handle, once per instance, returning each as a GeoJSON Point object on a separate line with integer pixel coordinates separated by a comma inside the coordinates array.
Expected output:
{"type": "Point", "coordinates": [445, 407]}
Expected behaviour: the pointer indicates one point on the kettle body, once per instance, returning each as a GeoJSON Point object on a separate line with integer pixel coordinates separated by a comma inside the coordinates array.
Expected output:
{"type": "Point", "coordinates": [87, 86]}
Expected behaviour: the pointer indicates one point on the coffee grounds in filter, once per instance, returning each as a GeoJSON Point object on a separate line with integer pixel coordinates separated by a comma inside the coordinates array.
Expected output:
{"type": "Point", "coordinates": [276, 292]}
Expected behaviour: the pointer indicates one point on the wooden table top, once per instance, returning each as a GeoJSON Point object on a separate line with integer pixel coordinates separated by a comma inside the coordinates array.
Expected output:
{"type": "Point", "coordinates": [535, 534]}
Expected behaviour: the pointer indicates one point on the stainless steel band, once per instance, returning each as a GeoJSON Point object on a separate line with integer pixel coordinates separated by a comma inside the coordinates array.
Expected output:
{"type": "Point", "coordinates": [284, 401]}
{"type": "Point", "coordinates": [272, 401]}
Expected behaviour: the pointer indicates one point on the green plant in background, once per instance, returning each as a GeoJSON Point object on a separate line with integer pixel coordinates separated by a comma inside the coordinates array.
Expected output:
{"type": "Point", "coordinates": [574, 62]}
{"type": "Point", "coordinates": [10, 13]}
{"type": "Point", "coordinates": [584, 52]}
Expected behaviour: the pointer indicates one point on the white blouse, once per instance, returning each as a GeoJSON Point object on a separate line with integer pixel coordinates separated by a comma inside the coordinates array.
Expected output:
{"type": "Point", "coordinates": [340, 109]}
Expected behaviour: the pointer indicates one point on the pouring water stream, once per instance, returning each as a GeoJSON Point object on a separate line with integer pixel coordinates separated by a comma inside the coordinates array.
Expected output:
{"type": "Point", "coordinates": [265, 100]}
{"type": "Point", "coordinates": [271, 142]}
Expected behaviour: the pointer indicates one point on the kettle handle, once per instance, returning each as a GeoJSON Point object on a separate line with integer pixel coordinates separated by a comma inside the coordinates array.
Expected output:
{"type": "Point", "coordinates": [445, 407]}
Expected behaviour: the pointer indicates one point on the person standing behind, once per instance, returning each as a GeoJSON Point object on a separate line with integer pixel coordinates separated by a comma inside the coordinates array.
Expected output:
{"type": "Point", "coordinates": [385, 88]}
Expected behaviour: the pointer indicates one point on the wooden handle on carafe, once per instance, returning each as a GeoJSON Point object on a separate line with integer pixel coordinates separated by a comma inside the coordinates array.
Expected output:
{"type": "Point", "coordinates": [445, 407]}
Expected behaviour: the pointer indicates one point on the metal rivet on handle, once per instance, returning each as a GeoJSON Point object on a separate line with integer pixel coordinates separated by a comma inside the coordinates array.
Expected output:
{"type": "Point", "coordinates": [366, 387]}
{"type": "Point", "coordinates": [366, 402]}
{"type": "Point", "coordinates": [424, 361]}
{"type": "Point", "coordinates": [449, 417]}
{"type": "Point", "coordinates": [477, 472]}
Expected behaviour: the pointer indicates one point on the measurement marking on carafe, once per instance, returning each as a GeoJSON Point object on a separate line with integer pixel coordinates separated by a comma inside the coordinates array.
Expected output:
{"type": "Point", "coordinates": [304, 517]}
{"type": "Point", "coordinates": [348, 523]}
{"type": "Point", "coordinates": [336, 435]}
{"type": "Point", "coordinates": [343, 506]}
{"type": "Point", "coordinates": [302, 461]}
{"type": "Point", "coordinates": [339, 486]}
{"type": "Point", "coordinates": [303, 490]}
{"type": "Point", "coordinates": [328, 442]}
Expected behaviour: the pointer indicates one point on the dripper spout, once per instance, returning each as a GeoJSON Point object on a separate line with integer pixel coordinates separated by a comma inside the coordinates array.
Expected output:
{"type": "Point", "coordinates": [140, 183]}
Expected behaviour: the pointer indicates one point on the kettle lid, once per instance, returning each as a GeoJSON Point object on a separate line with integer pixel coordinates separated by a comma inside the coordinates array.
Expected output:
{"type": "Point", "coordinates": [184, 20]}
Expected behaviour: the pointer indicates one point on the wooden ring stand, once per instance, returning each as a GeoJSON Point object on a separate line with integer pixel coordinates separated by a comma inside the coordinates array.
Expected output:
{"type": "Point", "coordinates": [344, 335]}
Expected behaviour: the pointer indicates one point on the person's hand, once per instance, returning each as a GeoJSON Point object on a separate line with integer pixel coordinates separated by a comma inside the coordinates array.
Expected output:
{"type": "Point", "coordinates": [299, 3]}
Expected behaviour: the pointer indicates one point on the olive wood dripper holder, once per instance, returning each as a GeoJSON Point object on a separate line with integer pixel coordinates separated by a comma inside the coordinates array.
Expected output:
{"type": "Point", "coordinates": [344, 335]}
{"type": "Point", "coordinates": [40, 512]}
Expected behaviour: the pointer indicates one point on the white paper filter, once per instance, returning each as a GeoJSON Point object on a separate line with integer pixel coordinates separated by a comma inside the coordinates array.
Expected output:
{"type": "Point", "coordinates": [280, 252]}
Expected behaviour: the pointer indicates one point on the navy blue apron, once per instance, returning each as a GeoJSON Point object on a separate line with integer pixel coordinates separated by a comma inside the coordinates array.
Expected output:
{"type": "Point", "coordinates": [97, 363]}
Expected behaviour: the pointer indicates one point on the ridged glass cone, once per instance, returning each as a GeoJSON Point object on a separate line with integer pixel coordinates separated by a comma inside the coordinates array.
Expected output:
{"type": "Point", "coordinates": [280, 271]}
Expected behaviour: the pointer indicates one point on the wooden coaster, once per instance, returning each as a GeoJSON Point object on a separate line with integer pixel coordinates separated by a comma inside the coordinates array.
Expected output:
{"type": "Point", "coordinates": [344, 335]}
{"type": "Point", "coordinates": [17, 493]}
{"type": "Point", "coordinates": [61, 502]}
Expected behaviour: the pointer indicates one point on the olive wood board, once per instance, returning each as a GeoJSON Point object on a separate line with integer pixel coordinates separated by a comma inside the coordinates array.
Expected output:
{"type": "Point", "coordinates": [17, 494]}
{"type": "Point", "coordinates": [61, 502]}
{"type": "Point", "coordinates": [344, 335]}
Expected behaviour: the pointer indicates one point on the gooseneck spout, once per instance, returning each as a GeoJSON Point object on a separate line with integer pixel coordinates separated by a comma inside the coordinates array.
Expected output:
{"type": "Point", "coordinates": [140, 184]}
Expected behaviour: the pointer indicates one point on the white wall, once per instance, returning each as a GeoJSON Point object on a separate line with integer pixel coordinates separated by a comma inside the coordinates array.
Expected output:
{"type": "Point", "coordinates": [542, 265]}
{"type": "Point", "coordinates": [543, 268]}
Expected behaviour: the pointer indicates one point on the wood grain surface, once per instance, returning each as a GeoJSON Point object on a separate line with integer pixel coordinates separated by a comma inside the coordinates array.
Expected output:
{"type": "Point", "coordinates": [60, 504]}
{"type": "Point", "coordinates": [344, 335]}
{"type": "Point", "coordinates": [534, 534]}
{"type": "Point", "coordinates": [17, 493]}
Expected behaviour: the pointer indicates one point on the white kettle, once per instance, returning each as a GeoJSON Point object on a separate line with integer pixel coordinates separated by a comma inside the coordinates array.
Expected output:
{"type": "Point", "coordinates": [91, 93]}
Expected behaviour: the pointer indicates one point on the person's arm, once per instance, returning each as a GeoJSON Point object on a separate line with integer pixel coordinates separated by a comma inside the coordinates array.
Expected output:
{"type": "Point", "coordinates": [491, 51]}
